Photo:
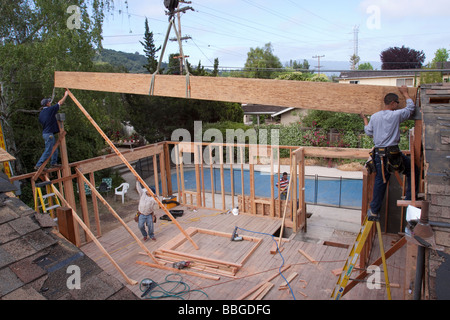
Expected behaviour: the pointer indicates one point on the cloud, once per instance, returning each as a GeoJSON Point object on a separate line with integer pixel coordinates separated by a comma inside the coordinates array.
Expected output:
{"type": "Point", "coordinates": [408, 8]}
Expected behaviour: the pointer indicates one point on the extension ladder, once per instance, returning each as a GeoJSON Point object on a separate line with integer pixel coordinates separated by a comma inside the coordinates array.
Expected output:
{"type": "Point", "coordinates": [48, 201]}
{"type": "Point", "coordinates": [353, 258]}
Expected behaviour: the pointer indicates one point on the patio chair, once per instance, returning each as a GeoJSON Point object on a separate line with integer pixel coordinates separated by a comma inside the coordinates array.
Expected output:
{"type": "Point", "coordinates": [121, 190]}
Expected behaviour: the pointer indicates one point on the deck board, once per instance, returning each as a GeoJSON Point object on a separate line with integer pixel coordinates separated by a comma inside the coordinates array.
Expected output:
{"type": "Point", "coordinates": [260, 265]}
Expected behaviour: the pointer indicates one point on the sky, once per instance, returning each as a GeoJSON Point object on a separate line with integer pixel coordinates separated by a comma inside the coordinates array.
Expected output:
{"type": "Point", "coordinates": [297, 30]}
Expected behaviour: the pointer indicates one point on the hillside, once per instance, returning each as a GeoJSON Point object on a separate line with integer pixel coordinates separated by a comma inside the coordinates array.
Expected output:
{"type": "Point", "coordinates": [131, 62]}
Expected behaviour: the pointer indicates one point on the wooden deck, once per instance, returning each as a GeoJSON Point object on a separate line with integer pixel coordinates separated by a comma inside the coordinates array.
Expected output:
{"type": "Point", "coordinates": [315, 280]}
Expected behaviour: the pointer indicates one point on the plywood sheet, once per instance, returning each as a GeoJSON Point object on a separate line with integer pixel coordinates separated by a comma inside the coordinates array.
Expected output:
{"type": "Point", "coordinates": [337, 97]}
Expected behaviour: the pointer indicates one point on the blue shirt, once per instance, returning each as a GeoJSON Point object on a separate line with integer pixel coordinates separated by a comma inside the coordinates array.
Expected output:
{"type": "Point", "coordinates": [47, 118]}
{"type": "Point", "coordinates": [384, 126]}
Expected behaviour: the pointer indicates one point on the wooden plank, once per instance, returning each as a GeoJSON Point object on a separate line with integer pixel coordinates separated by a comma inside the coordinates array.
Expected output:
{"type": "Point", "coordinates": [291, 277]}
{"type": "Point", "coordinates": [298, 94]}
{"type": "Point", "coordinates": [266, 289]}
{"type": "Point", "coordinates": [307, 256]}
{"type": "Point", "coordinates": [252, 290]}
{"type": "Point", "coordinates": [112, 160]}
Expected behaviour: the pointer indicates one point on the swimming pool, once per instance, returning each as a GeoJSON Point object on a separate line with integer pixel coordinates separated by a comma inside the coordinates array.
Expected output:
{"type": "Point", "coordinates": [318, 190]}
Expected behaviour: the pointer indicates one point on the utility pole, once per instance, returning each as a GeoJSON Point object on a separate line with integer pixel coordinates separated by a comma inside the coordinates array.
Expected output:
{"type": "Point", "coordinates": [179, 10]}
{"type": "Point", "coordinates": [355, 47]}
{"type": "Point", "coordinates": [318, 57]}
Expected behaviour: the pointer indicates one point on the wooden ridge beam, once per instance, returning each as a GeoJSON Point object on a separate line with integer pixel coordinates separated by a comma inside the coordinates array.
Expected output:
{"type": "Point", "coordinates": [325, 96]}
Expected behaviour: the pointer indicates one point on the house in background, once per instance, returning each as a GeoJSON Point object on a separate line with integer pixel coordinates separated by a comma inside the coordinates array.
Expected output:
{"type": "Point", "coordinates": [279, 115]}
{"type": "Point", "coordinates": [394, 78]}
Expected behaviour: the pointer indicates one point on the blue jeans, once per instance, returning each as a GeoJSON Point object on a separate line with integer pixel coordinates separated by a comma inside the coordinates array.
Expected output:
{"type": "Point", "coordinates": [146, 220]}
{"type": "Point", "coordinates": [50, 141]}
{"type": "Point", "coordinates": [379, 188]}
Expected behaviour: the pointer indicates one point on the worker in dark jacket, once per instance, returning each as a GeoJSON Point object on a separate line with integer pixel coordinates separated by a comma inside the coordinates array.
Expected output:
{"type": "Point", "coordinates": [384, 128]}
{"type": "Point", "coordinates": [47, 118]}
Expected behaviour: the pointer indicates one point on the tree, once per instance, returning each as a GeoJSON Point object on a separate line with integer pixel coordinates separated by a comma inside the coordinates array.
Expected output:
{"type": "Point", "coordinates": [150, 49]}
{"type": "Point", "coordinates": [261, 62]}
{"type": "Point", "coordinates": [365, 66]}
{"type": "Point", "coordinates": [442, 55]}
{"type": "Point", "coordinates": [354, 61]}
{"type": "Point", "coordinates": [174, 64]}
{"type": "Point", "coordinates": [215, 72]}
{"type": "Point", "coordinates": [401, 58]}
{"type": "Point", "coordinates": [35, 41]}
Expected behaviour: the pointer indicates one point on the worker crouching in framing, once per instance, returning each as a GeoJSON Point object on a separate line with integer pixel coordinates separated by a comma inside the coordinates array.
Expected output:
{"type": "Point", "coordinates": [384, 127]}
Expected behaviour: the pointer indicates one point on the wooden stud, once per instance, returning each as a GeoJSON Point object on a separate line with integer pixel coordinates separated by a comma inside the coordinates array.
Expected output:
{"type": "Point", "coordinates": [95, 206]}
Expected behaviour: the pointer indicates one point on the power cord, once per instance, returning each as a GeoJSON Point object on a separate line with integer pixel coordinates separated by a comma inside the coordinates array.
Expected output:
{"type": "Point", "coordinates": [174, 288]}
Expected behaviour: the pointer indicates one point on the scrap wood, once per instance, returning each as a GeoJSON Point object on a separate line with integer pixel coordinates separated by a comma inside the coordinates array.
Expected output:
{"type": "Point", "coordinates": [259, 295]}
{"type": "Point", "coordinates": [252, 290]}
{"type": "Point", "coordinates": [191, 273]}
{"type": "Point", "coordinates": [307, 256]}
{"type": "Point", "coordinates": [303, 294]}
{"type": "Point", "coordinates": [275, 248]}
{"type": "Point", "coordinates": [288, 280]}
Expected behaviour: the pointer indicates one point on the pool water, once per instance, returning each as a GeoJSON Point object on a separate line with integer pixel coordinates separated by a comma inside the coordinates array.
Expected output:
{"type": "Point", "coordinates": [318, 190]}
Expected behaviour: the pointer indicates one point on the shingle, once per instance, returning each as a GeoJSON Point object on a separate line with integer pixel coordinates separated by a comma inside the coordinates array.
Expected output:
{"type": "Point", "coordinates": [26, 270]}
{"type": "Point", "coordinates": [24, 225]}
{"type": "Point", "coordinates": [19, 249]}
{"type": "Point", "coordinates": [8, 281]}
{"type": "Point", "coordinates": [7, 233]}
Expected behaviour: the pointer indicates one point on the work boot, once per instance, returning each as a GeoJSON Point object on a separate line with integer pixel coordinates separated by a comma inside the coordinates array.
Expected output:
{"type": "Point", "coordinates": [373, 216]}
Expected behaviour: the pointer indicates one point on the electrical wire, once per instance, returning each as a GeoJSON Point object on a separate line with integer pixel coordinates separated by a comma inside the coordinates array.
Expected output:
{"type": "Point", "coordinates": [278, 250]}
{"type": "Point", "coordinates": [175, 288]}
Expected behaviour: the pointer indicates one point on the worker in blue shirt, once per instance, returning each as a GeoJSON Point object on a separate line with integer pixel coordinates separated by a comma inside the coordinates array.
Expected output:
{"type": "Point", "coordinates": [47, 118]}
{"type": "Point", "coordinates": [384, 128]}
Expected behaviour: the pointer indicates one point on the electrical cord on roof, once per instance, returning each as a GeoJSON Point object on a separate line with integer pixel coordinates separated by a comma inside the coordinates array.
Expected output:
{"type": "Point", "coordinates": [278, 250]}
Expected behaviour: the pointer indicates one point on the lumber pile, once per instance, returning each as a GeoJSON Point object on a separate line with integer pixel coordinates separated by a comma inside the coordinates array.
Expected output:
{"type": "Point", "coordinates": [200, 261]}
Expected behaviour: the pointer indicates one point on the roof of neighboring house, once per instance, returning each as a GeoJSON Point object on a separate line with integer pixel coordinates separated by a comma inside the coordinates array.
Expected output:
{"type": "Point", "coordinates": [377, 74]}
{"type": "Point", "coordinates": [261, 109]}
{"type": "Point", "coordinates": [34, 259]}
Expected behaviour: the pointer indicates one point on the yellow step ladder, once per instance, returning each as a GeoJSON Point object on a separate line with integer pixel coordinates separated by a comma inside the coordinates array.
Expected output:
{"type": "Point", "coordinates": [354, 256]}
{"type": "Point", "coordinates": [48, 201]}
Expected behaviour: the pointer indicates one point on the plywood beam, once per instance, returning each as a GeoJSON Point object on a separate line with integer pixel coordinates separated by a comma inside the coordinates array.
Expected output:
{"type": "Point", "coordinates": [326, 96]}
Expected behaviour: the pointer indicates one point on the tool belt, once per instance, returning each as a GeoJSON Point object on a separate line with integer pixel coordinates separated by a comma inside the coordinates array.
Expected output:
{"type": "Point", "coordinates": [136, 217]}
{"type": "Point", "coordinates": [391, 160]}
{"type": "Point", "coordinates": [394, 159]}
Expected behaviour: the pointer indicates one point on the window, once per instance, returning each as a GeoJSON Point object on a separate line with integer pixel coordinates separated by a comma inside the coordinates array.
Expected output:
{"type": "Point", "coordinates": [354, 81]}
{"type": "Point", "coordinates": [405, 82]}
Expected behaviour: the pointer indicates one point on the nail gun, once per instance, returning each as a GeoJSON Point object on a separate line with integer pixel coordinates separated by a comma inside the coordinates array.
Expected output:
{"type": "Point", "coordinates": [235, 236]}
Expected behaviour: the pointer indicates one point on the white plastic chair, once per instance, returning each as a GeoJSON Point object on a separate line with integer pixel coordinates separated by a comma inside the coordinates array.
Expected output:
{"type": "Point", "coordinates": [121, 190]}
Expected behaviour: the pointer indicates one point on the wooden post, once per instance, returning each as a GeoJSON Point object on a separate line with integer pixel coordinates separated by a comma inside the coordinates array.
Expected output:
{"type": "Point", "coordinates": [83, 204]}
{"type": "Point", "coordinates": [132, 170]}
{"type": "Point", "coordinates": [66, 172]}
{"type": "Point", "coordinates": [167, 167]}
{"type": "Point", "coordinates": [65, 223]}
{"type": "Point", "coordinates": [95, 206]}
